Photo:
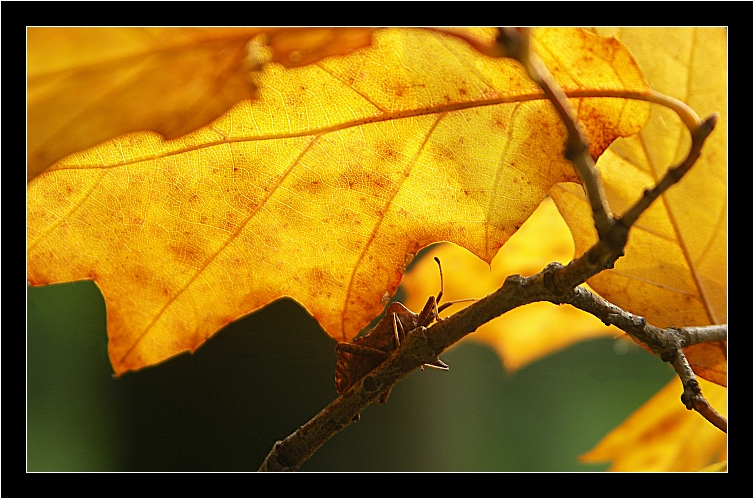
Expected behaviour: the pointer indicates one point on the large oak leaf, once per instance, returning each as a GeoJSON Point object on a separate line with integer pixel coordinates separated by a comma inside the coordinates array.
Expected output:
{"type": "Point", "coordinates": [321, 187]}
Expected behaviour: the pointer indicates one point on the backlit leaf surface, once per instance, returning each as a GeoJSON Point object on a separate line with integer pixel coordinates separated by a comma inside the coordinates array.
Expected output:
{"type": "Point", "coordinates": [675, 268]}
{"type": "Point", "coordinates": [320, 188]}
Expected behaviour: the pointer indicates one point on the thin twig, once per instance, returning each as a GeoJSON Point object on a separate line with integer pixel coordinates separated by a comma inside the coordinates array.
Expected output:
{"type": "Point", "coordinates": [692, 396]}
{"type": "Point", "coordinates": [667, 343]}
{"type": "Point", "coordinates": [704, 334]}
{"type": "Point", "coordinates": [673, 174]}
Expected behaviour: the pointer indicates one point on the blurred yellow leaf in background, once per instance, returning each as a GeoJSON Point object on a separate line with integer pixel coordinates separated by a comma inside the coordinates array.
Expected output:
{"type": "Point", "coordinates": [664, 436]}
{"type": "Point", "coordinates": [525, 333]}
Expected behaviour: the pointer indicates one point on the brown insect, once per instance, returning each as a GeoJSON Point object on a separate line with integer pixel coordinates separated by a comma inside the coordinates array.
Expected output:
{"type": "Point", "coordinates": [363, 354]}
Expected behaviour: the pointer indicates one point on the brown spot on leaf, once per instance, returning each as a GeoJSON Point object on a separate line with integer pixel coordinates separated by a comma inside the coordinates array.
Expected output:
{"type": "Point", "coordinates": [347, 180]}
{"type": "Point", "coordinates": [388, 151]}
{"type": "Point", "coordinates": [189, 249]}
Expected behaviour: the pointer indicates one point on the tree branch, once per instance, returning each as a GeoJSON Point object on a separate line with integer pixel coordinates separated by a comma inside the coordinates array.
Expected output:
{"type": "Point", "coordinates": [665, 343]}
{"type": "Point", "coordinates": [556, 284]}
{"type": "Point", "coordinates": [424, 345]}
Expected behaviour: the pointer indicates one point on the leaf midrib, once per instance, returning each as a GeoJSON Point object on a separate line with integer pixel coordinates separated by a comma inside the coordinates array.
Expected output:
{"type": "Point", "coordinates": [390, 116]}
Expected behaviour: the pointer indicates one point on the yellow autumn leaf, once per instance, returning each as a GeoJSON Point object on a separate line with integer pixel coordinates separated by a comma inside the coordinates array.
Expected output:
{"type": "Point", "coordinates": [321, 187]}
{"type": "Point", "coordinates": [526, 333]}
{"type": "Point", "coordinates": [663, 436]}
{"type": "Point", "coordinates": [674, 272]}
{"type": "Point", "coordinates": [86, 85]}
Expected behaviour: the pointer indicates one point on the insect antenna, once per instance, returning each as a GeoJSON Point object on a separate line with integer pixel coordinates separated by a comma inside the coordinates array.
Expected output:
{"type": "Point", "coordinates": [440, 308]}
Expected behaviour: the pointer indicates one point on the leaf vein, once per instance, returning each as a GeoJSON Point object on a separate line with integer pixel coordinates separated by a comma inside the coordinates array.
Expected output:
{"type": "Point", "coordinates": [393, 115]}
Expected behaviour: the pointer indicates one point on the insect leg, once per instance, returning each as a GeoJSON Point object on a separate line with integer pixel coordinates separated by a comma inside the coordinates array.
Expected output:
{"type": "Point", "coordinates": [439, 308]}
{"type": "Point", "coordinates": [397, 324]}
{"type": "Point", "coordinates": [438, 364]}
{"type": "Point", "coordinates": [430, 312]}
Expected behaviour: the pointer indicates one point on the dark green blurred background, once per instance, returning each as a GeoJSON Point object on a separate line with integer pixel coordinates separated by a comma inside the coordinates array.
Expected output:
{"type": "Point", "coordinates": [257, 380]}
